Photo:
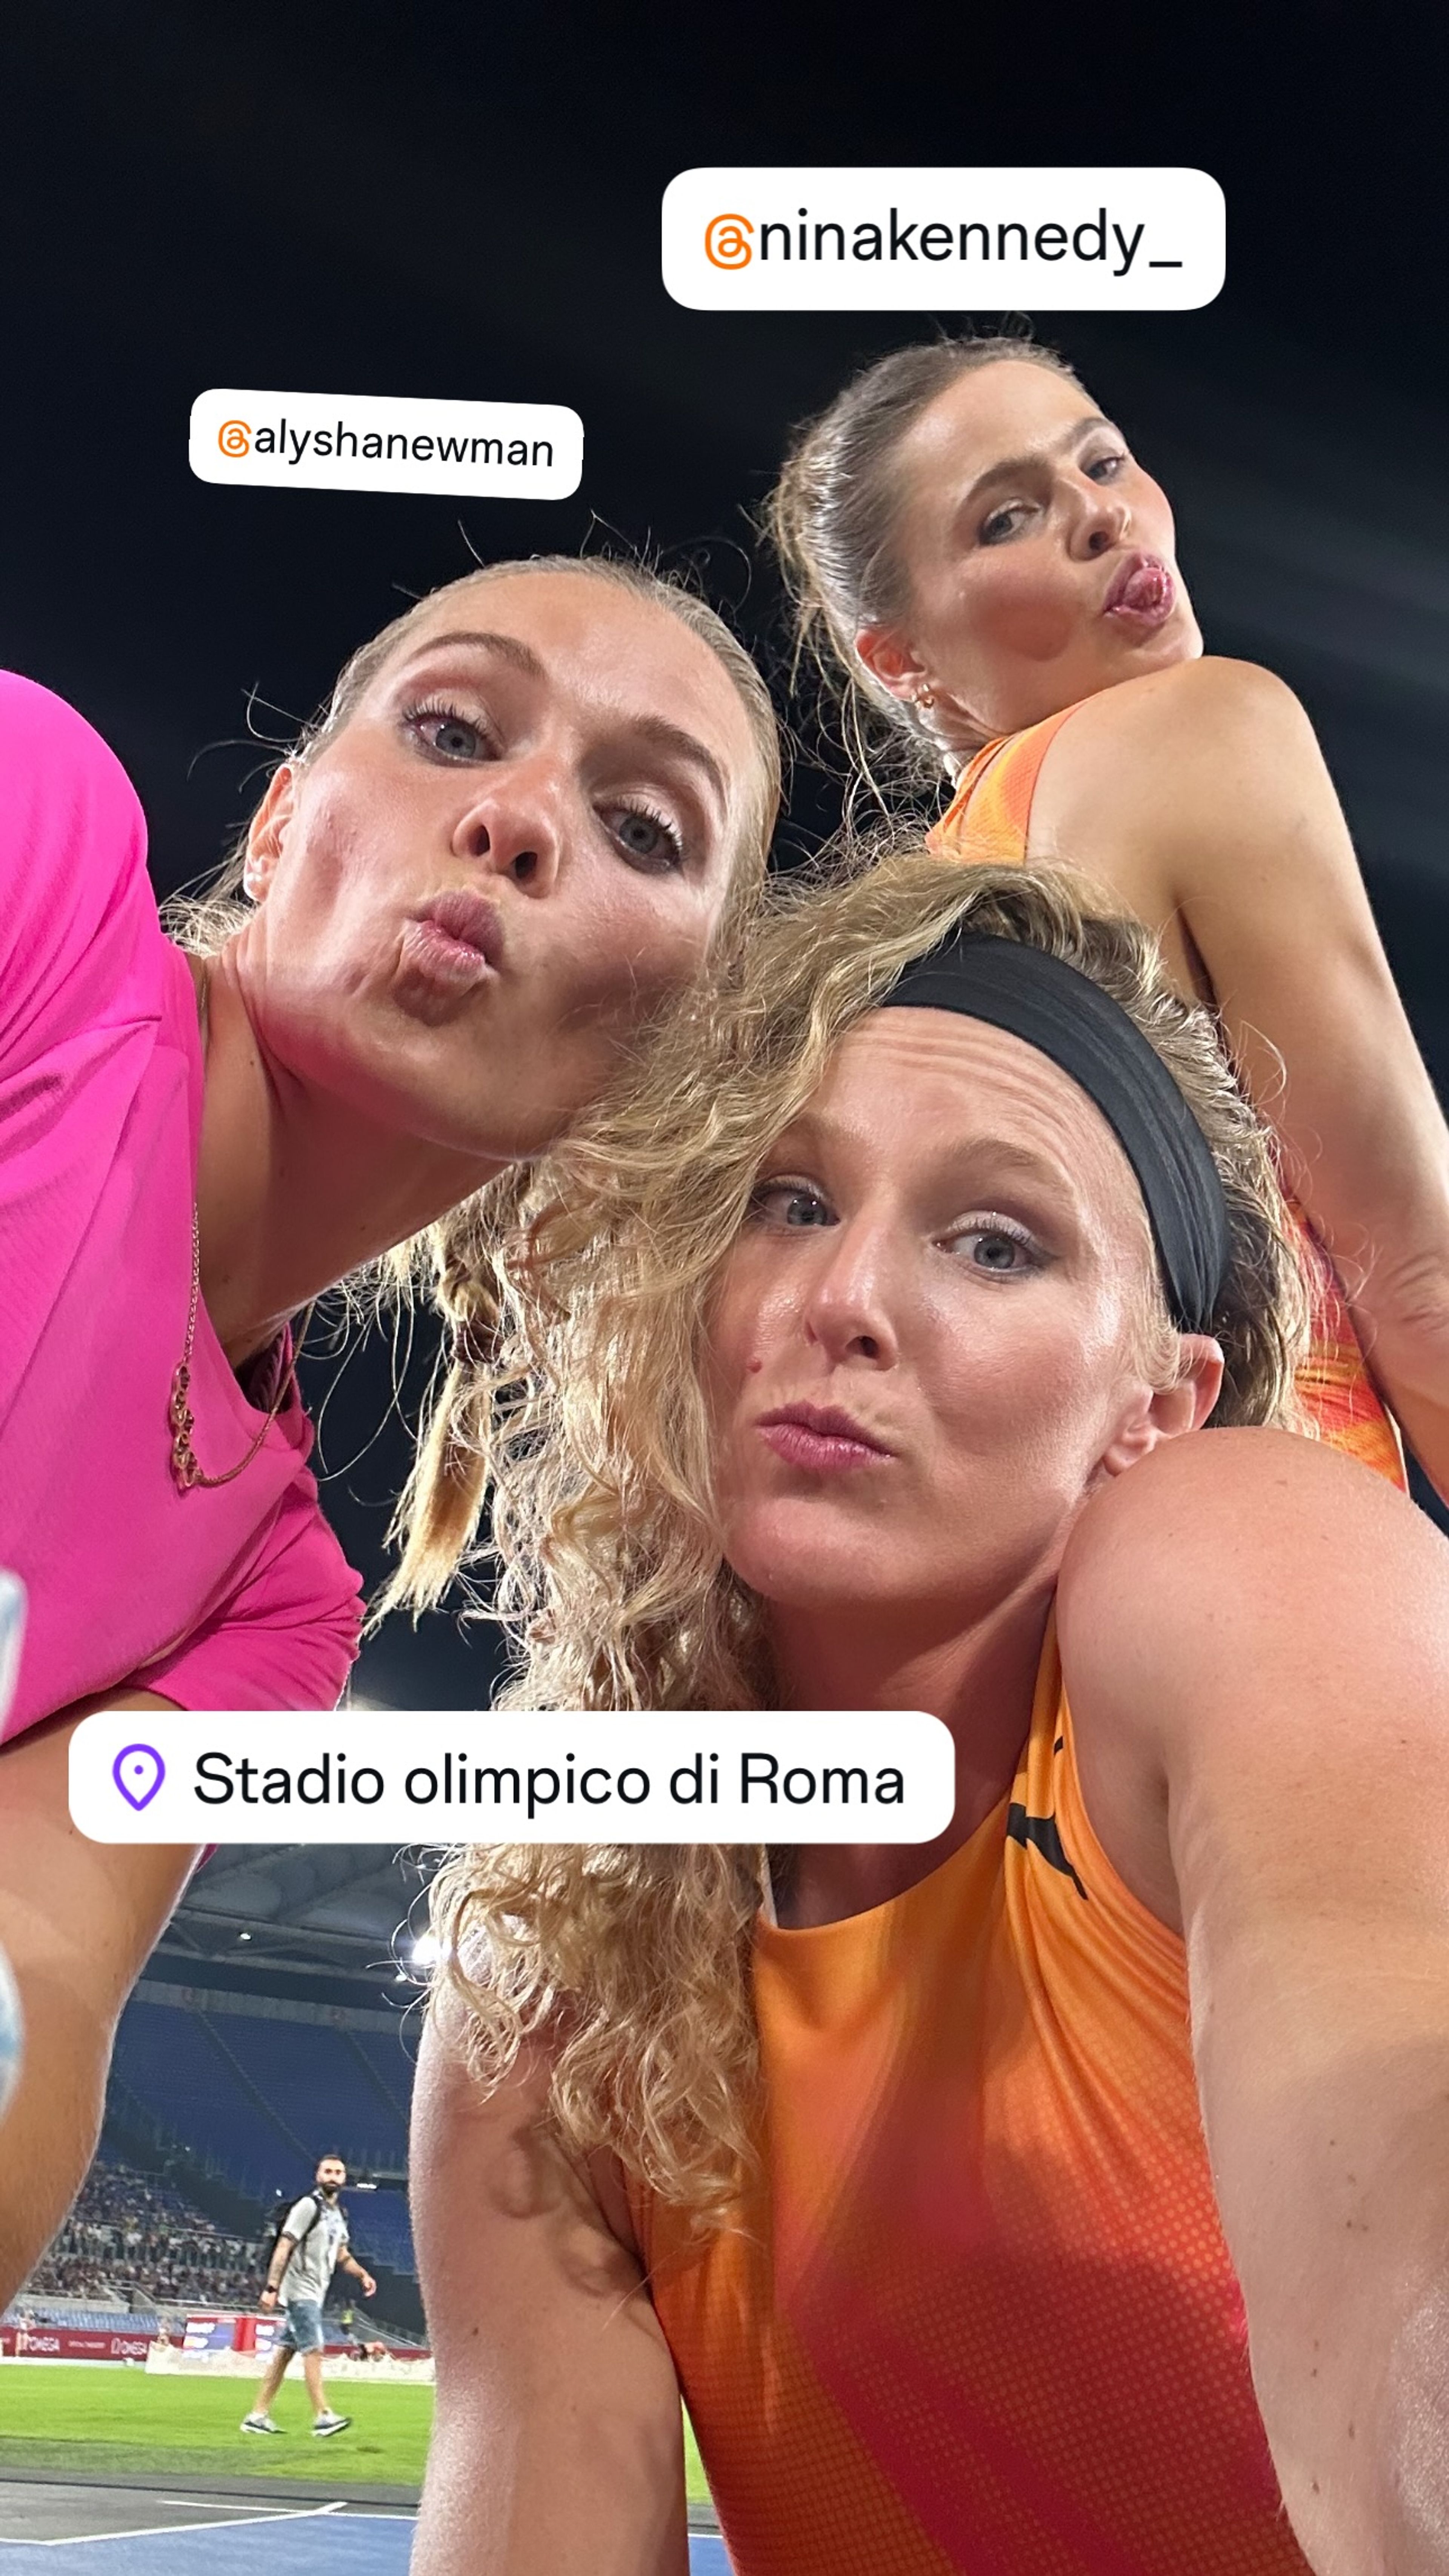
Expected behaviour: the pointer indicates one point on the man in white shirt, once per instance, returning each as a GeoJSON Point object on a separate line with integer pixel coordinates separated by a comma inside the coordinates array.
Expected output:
{"type": "Point", "coordinates": [312, 2242]}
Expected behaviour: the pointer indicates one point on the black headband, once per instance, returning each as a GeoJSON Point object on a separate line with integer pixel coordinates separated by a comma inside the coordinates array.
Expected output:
{"type": "Point", "coordinates": [1067, 1017]}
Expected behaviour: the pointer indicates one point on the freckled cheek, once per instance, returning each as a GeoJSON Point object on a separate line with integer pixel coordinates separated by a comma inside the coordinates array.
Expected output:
{"type": "Point", "coordinates": [748, 1335]}
{"type": "Point", "coordinates": [738, 1339]}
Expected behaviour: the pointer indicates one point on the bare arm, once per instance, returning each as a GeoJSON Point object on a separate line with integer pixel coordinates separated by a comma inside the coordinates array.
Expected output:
{"type": "Point", "coordinates": [282, 2253]}
{"type": "Point", "coordinates": [78, 1919]}
{"type": "Point", "coordinates": [1201, 796]}
{"type": "Point", "coordinates": [557, 2446]}
{"type": "Point", "coordinates": [1265, 1626]}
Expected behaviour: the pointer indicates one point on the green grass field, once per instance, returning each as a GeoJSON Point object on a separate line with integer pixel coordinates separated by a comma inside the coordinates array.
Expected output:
{"type": "Point", "coordinates": [77, 2418]}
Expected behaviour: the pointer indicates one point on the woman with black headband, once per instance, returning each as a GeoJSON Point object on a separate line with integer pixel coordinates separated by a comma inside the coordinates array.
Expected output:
{"type": "Point", "coordinates": [876, 1387]}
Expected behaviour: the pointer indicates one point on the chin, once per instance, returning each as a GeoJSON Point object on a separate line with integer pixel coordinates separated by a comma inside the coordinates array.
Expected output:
{"type": "Point", "coordinates": [806, 1573]}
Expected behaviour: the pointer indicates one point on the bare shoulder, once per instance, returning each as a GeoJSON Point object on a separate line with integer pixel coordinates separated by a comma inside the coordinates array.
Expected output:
{"type": "Point", "coordinates": [1241, 1548]}
{"type": "Point", "coordinates": [499, 2137]}
{"type": "Point", "coordinates": [1175, 783]}
{"type": "Point", "coordinates": [1236, 702]}
{"type": "Point", "coordinates": [1172, 752]}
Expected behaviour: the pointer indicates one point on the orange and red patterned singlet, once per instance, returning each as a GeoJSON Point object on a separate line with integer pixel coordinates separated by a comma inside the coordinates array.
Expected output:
{"type": "Point", "coordinates": [978, 2313]}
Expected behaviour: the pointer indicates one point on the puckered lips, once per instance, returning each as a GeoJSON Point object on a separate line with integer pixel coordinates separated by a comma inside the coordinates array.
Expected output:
{"type": "Point", "coordinates": [820, 1437]}
{"type": "Point", "coordinates": [455, 939]}
{"type": "Point", "coordinates": [1141, 593]}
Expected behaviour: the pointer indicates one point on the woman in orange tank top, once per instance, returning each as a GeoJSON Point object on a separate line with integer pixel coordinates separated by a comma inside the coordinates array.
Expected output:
{"type": "Point", "coordinates": [988, 573]}
{"type": "Point", "coordinates": [1064, 2196]}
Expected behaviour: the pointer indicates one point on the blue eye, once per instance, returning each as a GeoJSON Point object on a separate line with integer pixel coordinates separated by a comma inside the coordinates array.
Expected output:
{"type": "Point", "coordinates": [996, 1249]}
{"type": "Point", "coordinates": [792, 1204]}
{"type": "Point", "coordinates": [646, 839]}
{"type": "Point", "coordinates": [447, 733]}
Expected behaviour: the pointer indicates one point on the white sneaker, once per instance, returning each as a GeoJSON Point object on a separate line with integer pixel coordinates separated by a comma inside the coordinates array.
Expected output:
{"type": "Point", "coordinates": [255, 2423]}
{"type": "Point", "coordinates": [330, 2423]}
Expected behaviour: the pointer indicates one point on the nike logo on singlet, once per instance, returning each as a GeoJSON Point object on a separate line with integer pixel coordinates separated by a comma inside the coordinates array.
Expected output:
{"type": "Point", "coordinates": [1041, 1831]}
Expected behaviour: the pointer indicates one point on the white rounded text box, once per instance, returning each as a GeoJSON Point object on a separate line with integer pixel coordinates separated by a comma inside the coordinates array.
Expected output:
{"type": "Point", "coordinates": [158, 1776]}
{"type": "Point", "coordinates": [386, 443]}
{"type": "Point", "coordinates": [742, 240]}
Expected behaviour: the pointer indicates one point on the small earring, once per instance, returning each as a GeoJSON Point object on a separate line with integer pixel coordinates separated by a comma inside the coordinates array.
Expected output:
{"type": "Point", "coordinates": [925, 698]}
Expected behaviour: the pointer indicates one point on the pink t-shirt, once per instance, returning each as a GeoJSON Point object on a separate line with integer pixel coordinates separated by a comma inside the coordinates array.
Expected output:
{"type": "Point", "coordinates": [238, 1597]}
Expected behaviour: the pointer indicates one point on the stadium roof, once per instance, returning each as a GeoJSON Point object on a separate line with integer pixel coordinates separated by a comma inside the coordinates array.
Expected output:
{"type": "Point", "coordinates": [319, 1906]}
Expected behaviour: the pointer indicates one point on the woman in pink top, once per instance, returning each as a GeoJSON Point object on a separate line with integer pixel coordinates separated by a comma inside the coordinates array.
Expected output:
{"type": "Point", "coordinates": [531, 806]}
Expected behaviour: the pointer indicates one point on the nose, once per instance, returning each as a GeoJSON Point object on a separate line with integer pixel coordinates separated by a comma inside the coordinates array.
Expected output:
{"type": "Point", "coordinates": [514, 826]}
{"type": "Point", "coordinates": [850, 1309]}
{"type": "Point", "coordinates": [1102, 518]}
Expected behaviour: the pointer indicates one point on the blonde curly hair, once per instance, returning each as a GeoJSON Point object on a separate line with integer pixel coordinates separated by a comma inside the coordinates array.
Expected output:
{"type": "Point", "coordinates": [613, 1584]}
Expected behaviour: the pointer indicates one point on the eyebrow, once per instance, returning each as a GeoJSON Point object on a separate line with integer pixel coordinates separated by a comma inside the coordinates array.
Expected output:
{"type": "Point", "coordinates": [507, 647]}
{"type": "Point", "coordinates": [1007, 468]}
{"type": "Point", "coordinates": [999, 1151]}
{"type": "Point", "coordinates": [1004, 1156]}
{"type": "Point", "coordinates": [654, 730]}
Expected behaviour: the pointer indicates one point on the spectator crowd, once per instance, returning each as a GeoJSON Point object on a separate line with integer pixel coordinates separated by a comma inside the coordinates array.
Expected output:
{"type": "Point", "coordinates": [133, 2238]}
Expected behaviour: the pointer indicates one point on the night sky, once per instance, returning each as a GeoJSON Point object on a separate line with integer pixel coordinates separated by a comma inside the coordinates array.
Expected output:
{"type": "Point", "coordinates": [464, 201]}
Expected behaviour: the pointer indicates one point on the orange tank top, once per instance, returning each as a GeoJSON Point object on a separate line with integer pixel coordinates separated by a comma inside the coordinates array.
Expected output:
{"type": "Point", "coordinates": [986, 824]}
{"type": "Point", "coordinates": [978, 2313]}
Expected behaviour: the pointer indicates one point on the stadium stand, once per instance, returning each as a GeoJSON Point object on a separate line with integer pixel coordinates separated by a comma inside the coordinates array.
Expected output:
{"type": "Point", "coordinates": [328, 2093]}
{"type": "Point", "coordinates": [255, 2092]}
{"type": "Point", "coordinates": [135, 2243]}
{"type": "Point", "coordinates": [380, 2229]}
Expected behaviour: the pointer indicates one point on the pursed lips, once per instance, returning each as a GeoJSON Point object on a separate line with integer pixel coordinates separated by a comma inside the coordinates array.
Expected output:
{"type": "Point", "coordinates": [467, 918]}
{"type": "Point", "coordinates": [821, 1437]}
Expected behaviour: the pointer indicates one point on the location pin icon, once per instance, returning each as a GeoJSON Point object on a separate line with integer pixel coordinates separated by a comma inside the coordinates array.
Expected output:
{"type": "Point", "coordinates": [138, 1773]}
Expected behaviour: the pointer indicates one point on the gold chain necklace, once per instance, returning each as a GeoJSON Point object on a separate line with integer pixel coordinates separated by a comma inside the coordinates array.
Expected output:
{"type": "Point", "coordinates": [185, 1465]}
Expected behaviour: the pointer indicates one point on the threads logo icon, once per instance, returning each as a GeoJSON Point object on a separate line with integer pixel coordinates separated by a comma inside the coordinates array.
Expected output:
{"type": "Point", "coordinates": [234, 438]}
{"type": "Point", "coordinates": [728, 241]}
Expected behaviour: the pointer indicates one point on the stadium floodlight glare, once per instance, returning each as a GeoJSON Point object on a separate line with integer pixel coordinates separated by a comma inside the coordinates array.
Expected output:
{"type": "Point", "coordinates": [427, 1950]}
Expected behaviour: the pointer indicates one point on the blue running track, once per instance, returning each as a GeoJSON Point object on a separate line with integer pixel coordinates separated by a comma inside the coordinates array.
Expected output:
{"type": "Point", "coordinates": [307, 2544]}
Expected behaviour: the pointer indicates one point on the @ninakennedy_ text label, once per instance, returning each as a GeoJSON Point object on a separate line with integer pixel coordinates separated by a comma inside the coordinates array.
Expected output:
{"type": "Point", "coordinates": [742, 240]}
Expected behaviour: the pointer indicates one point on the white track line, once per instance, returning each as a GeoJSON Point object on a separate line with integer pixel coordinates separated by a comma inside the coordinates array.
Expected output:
{"type": "Point", "coordinates": [161, 2530]}
{"type": "Point", "coordinates": [229, 2504]}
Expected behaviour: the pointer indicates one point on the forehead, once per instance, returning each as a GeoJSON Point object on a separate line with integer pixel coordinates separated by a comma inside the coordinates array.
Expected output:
{"type": "Point", "coordinates": [612, 651]}
{"type": "Point", "coordinates": [907, 1090]}
{"type": "Point", "coordinates": [991, 412]}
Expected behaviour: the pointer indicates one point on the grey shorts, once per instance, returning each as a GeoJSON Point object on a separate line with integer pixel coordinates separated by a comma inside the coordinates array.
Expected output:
{"type": "Point", "coordinates": [302, 2325]}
